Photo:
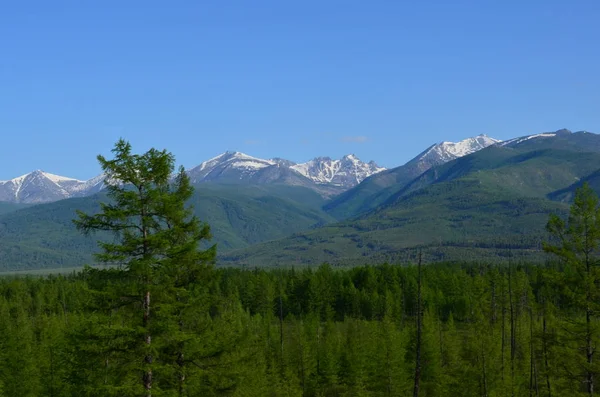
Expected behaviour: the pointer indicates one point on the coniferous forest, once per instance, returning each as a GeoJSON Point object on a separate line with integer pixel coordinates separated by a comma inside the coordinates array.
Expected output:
{"type": "Point", "coordinates": [162, 320]}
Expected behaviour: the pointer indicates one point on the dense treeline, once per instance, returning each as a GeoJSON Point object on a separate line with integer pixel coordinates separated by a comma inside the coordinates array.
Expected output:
{"type": "Point", "coordinates": [486, 330]}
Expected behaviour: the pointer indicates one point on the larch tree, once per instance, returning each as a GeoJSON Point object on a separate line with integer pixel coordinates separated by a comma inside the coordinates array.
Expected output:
{"type": "Point", "coordinates": [157, 244]}
{"type": "Point", "coordinates": [578, 247]}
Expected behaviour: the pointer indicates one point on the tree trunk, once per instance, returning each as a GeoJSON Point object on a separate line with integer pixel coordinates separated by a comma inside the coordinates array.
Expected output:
{"type": "Point", "coordinates": [483, 370]}
{"type": "Point", "coordinates": [503, 329]}
{"type": "Point", "coordinates": [513, 343]}
{"type": "Point", "coordinates": [545, 347]}
{"type": "Point", "coordinates": [302, 364]}
{"type": "Point", "coordinates": [180, 362]}
{"type": "Point", "coordinates": [389, 371]}
{"type": "Point", "coordinates": [533, 382]}
{"type": "Point", "coordinates": [493, 304]}
{"type": "Point", "coordinates": [419, 330]}
{"type": "Point", "coordinates": [589, 351]}
{"type": "Point", "coordinates": [51, 371]}
{"type": "Point", "coordinates": [441, 340]}
{"type": "Point", "coordinates": [281, 325]}
{"type": "Point", "coordinates": [147, 378]}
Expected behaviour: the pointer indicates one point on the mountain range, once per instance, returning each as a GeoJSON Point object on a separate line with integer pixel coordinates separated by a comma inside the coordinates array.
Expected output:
{"type": "Point", "coordinates": [478, 198]}
{"type": "Point", "coordinates": [378, 188]}
{"type": "Point", "coordinates": [321, 174]}
{"type": "Point", "coordinates": [491, 204]}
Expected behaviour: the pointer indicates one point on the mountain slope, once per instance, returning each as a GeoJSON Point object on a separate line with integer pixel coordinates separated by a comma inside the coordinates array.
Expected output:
{"type": "Point", "coordinates": [376, 189]}
{"type": "Point", "coordinates": [493, 202]}
{"type": "Point", "coordinates": [567, 194]}
{"type": "Point", "coordinates": [40, 187]}
{"type": "Point", "coordinates": [228, 167]}
{"type": "Point", "coordinates": [345, 173]}
{"type": "Point", "coordinates": [43, 235]}
{"type": "Point", "coordinates": [321, 173]}
{"type": "Point", "coordinates": [6, 207]}
{"type": "Point", "coordinates": [451, 221]}
{"type": "Point", "coordinates": [326, 176]}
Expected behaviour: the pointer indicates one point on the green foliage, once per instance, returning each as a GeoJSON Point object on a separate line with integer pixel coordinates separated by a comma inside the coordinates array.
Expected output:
{"type": "Point", "coordinates": [487, 330]}
{"type": "Point", "coordinates": [490, 206]}
{"type": "Point", "coordinates": [157, 248]}
{"type": "Point", "coordinates": [458, 220]}
{"type": "Point", "coordinates": [531, 168]}
{"type": "Point", "coordinates": [43, 236]}
{"type": "Point", "coordinates": [578, 247]}
{"type": "Point", "coordinates": [486, 206]}
{"type": "Point", "coordinates": [6, 207]}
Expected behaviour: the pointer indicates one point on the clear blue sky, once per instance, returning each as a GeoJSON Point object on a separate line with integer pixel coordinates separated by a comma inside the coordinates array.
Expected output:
{"type": "Point", "coordinates": [294, 79]}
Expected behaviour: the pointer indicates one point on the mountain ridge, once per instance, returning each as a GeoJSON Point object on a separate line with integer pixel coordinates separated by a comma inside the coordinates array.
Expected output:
{"type": "Point", "coordinates": [377, 188]}
{"type": "Point", "coordinates": [492, 203]}
{"type": "Point", "coordinates": [488, 204]}
{"type": "Point", "coordinates": [39, 186]}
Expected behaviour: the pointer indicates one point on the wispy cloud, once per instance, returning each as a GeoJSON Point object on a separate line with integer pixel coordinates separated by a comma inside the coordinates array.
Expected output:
{"type": "Point", "coordinates": [354, 139]}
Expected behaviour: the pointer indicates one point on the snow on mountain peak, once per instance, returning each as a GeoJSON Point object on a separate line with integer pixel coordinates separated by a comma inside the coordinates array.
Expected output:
{"type": "Point", "coordinates": [347, 172]}
{"type": "Point", "coordinates": [446, 151]}
{"type": "Point", "coordinates": [516, 141]}
{"type": "Point", "coordinates": [226, 164]}
{"type": "Point", "coordinates": [39, 187]}
{"type": "Point", "coordinates": [59, 179]}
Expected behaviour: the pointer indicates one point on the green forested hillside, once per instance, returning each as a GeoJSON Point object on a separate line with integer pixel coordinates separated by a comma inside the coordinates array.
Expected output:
{"type": "Point", "coordinates": [10, 207]}
{"type": "Point", "coordinates": [370, 193]}
{"type": "Point", "coordinates": [462, 219]}
{"type": "Point", "coordinates": [43, 236]}
{"type": "Point", "coordinates": [579, 152]}
{"type": "Point", "coordinates": [567, 194]}
{"type": "Point", "coordinates": [484, 205]}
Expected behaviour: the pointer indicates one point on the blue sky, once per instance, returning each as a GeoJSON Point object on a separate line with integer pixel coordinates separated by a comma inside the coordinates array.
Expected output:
{"type": "Point", "coordinates": [380, 79]}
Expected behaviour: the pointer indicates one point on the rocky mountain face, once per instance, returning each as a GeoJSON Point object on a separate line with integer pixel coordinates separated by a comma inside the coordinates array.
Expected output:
{"type": "Point", "coordinates": [321, 171]}
{"type": "Point", "coordinates": [347, 172]}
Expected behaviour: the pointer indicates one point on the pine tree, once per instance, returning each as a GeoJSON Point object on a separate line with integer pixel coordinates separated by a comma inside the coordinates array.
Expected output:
{"type": "Point", "coordinates": [157, 245]}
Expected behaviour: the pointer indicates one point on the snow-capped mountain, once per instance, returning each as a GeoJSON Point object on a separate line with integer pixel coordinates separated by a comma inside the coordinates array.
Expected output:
{"type": "Point", "coordinates": [42, 187]}
{"type": "Point", "coordinates": [444, 152]}
{"type": "Point", "coordinates": [228, 166]}
{"type": "Point", "coordinates": [235, 166]}
{"type": "Point", "coordinates": [347, 172]}
{"type": "Point", "coordinates": [322, 174]}
{"type": "Point", "coordinates": [522, 139]}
